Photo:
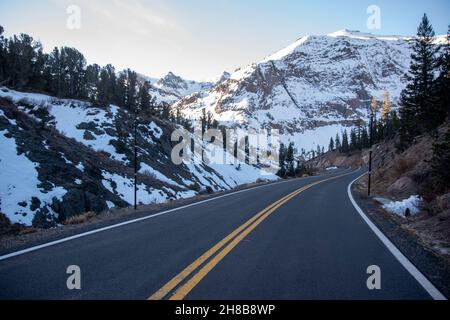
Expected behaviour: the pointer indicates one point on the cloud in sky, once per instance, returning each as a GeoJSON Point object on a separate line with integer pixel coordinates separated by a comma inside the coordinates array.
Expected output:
{"type": "Point", "coordinates": [137, 16]}
{"type": "Point", "coordinates": [199, 39]}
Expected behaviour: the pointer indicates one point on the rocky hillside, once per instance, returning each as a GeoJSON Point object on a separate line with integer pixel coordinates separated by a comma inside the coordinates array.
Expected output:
{"type": "Point", "coordinates": [310, 89]}
{"type": "Point", "coordinates": [63, 157]}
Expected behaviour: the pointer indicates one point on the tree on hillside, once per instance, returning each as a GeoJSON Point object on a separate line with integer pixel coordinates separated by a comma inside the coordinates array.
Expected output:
{"type": "Point", "coordinates": [374, 104]}
{"type": "Point", "coordinates": [331, 145]}
{"type": "Point", "coordinates": [385, 107]}
{"type": "Point", "coordinates": [440, 162]}
{"type": "Point", "coordinates": [2, 55]}
{"type": "Point", "coordinates": [92, 76]}
{"type": "Point", "coordinates": [337, 142]}
{"type": "Point", "coordinates": [145, 100]}
{"type": "Point", "coordinates": [56, 71]}
{"type": "Point", "coordinates": [319, 150]}
{"type": "Point", "coordinates": [354, 143]}
{"type": "Point", "coordinates": [204, 121]}
{"type": "Point", "coordinates": [131, 91]}
{"type": "Point", "coordinates": [281, 160]}
{"type": "Point", "coordinates": [21, 60]}
{"type": "Point", "coordinates": [442, 108]}
{"type": "Point", "coordinates": [290, 159]}
{"type": "Point", "coordinates": [73, 67]}
{"type": "Point", "coordinates": [345, 143]}
{"type": "Point", "coordinates": [365, 143]}
{"type": "Point", "coordinates": [164, 111]}
{"type": "Point", "coordinates": [417, 100]}
{"type": "Point", "coordinates": [121, 89]}
{"type": "Point", "coordinates": [106, 86]}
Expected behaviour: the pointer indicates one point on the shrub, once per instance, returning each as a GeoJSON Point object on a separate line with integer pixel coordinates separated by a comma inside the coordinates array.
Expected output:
{"type": "Point", "coordinates": [79, 219]}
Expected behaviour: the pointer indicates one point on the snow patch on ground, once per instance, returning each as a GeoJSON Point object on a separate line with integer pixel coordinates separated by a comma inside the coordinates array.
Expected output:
{"type": "Point", "coordinates": [157, 131]}
{"type": "Point", "coordinates": [19, 183]}
{"type": "Point", "coordinates": [399, 207]}
{"type": "Point", "coordinates": [146, 169]}
{"type": "Point", "coordinates": [124, 188]}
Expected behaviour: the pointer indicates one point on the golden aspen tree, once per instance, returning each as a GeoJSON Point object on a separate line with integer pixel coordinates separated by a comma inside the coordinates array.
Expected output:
{"type": "Point", "coordinates": [374, 104]}
{"type": "Point", "coordinates": [385, 106]}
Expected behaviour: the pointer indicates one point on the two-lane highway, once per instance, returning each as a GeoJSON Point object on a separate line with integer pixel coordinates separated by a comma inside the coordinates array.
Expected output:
{"type": "Point", "coordinates": [298, 239]}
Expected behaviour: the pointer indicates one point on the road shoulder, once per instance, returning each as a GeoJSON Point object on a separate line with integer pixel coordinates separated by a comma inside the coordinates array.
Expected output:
{"type": "Point", "coordinates": [433, 266]}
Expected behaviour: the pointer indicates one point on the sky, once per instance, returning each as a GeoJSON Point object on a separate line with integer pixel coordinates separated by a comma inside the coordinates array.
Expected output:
{"type": "Point", "coordinates": [199, 39]}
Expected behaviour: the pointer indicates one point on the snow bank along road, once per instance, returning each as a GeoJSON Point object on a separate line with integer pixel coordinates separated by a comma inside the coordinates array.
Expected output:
{"type": "Point", "coordinates": [298, 239]}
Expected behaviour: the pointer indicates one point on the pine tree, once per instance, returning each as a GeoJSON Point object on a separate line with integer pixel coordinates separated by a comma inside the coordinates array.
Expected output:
{"type": "Point", "coordinates": [290, 159]}
{"type": "Point", "coordinates": [442, 107]}
{"type": "Point", "coordinates": [281, 159]}
{"type": "Point", "coordinates": [204, 121]}
{"type": "Point", "coordinates": [337, 141]}
{"type": "Point", "coordinates": [331, 145]}
{"type": "Point", "coordinates": [131, 91]}
{"type": "Point", "coordinates": [105, 88]}
{"type": "Point", "coordinates": [417, 100]}
{"type": "Point", "coordinates": [440, 163]}
{"type": "Point", "coordinates": [73, 66]}
{"type": "Point", "coordinates": [57, 73]}
{"type": "Point", "coordinates": [353, 140]}
{"type": "Point", "coordinates": [364, 138]}
{"type": "Point", "coordinates": [145, 100]}
{"type": "Point", "coordinates": [92, 76]}
{"type": "Point", "coordinates": [345, 144]}
{"type": "Point", "coordinates": [2, 55]}
{"type": "Point", "coordinates": [165, 111]}
{"type": "Point", "coordinates": [121, 90]}
{"type": "Point", "coordinates": [121, 144]}
{"type": "Point", "coordinates": [21, 60]}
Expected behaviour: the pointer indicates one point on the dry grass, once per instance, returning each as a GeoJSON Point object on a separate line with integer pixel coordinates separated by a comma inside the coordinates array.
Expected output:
{"type": "Point", "coordinates": [403, 165]}
{"type": "Point", "coordinates": [82, 218]}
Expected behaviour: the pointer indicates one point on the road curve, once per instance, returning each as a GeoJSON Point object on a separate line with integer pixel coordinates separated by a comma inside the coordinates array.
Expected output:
{"type": "Point", "coordinates": [300, 239]}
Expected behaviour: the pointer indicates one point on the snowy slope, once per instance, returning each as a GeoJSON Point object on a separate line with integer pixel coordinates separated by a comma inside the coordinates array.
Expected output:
{"type": "Point", "coordinates": [100, 167]}
{"type": "Point", "coordinates": [19, 182]}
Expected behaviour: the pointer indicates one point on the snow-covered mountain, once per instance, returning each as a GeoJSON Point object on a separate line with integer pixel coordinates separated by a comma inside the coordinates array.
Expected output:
{"type": "Point", "coordinates": [61, 157]}
{"type": "Point", "coordinates": [172, 88]}
{"type": "Point", "coordinates": [180, 87]}
{"type": "Point", "coordinates": [311, 89]}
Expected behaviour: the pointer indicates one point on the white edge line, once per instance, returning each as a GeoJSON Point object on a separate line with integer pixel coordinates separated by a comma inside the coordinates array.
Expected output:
{"type": "Point", "coordinates": [114, 226]}
{"type": "Point", "coordinates": [421, 279]}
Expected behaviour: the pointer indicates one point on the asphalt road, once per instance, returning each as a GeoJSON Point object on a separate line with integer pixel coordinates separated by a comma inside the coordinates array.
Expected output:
{"type": "Point", "coordinates": [312, 245]}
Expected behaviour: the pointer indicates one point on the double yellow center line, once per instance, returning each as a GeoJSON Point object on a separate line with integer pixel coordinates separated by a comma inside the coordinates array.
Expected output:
{"type": "Point", "coordinates": [220, 250]}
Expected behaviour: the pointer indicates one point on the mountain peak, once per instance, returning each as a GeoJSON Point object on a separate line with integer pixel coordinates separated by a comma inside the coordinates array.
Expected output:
{"type": "Point", "coordinates": [348, 33]}
{"type": "Point", "coordinates": [356, 34]}
{"type": "Point", "coordinates": [287, 50]}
